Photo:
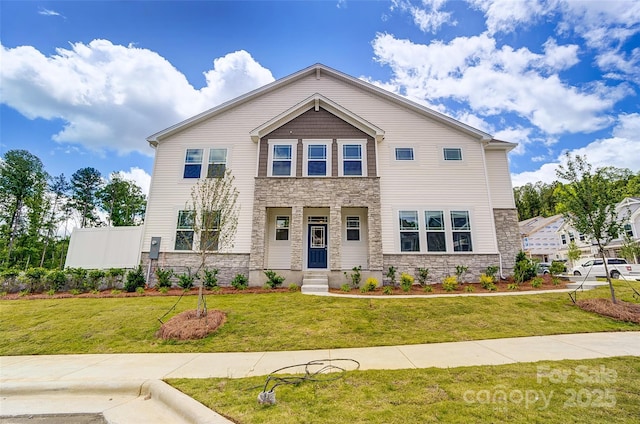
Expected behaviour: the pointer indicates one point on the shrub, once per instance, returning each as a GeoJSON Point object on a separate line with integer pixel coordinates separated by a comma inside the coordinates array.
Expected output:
{"type": "Point", "coordinates": [491, 271]}
{"type": "Point", "coordinates": [78, 277]}
{"type": "Point", "coordinates": [428, 288]}
{"type": "Point", "coordinates": [114, 277]}
{"type": "Point", "coordinates": [94, 278]}
{"type": "Point", "coordinates": [354, 277]}
{"type": "Point", "coordinates": [460, 271]}
{"type": "Point", "coordinates": [210, 278]}
{"type": "Point", "coordinates": [387, 290]}
{"type": "Point", "coordinates": [185, 280]}
{"type": "Point", "coordinates": [450, 283]}
{"type": "Point", "coordinates": [9, 279]}
{"type": "Point", "coordinates": [75, 292]}
{"type": "Point", "coordinates": [116, 292]}
{"type": "Point", "coordinates": [555, 281]}
{"type": "Point", "coordinates": [163, 290]}
{"type": "Point", "coordinates": [240, 282]}
{"type": "Point", "coordinates": [345, 288]}
{"type": "Point", "coordinates": [56, 279]}
{"type": "Point", "coordinates": [525, 269]}
{"type": "Point", "coordinates": [468, 289]}
{"type": "Point", "coordinates": [557, 267]}
{"type": "Point", "coordinates": [370, 285]}
{"type": "Point", "coordinates": [486, 281]}
{"type": "Point", "coordinates": [391, 274]}
{"type": "Point", "coordinates": [423, 275]}
{"type": "Point", "coordinates": [35, 277]}
{"type": "Point", "coordinates": [293, 287]}
{"type": "Point", "coordinates": [51, 292]}
{"type": "Point", "coordinates": [273, 279]}
{"type": "Point", "coordinates": [164, 277]}
{"type": "Point", "coordinates": [536, 282]}
{"type": "Point", "coordinates": [140, 290]}
{"type": "Point", "coordinates": [406, 281]}
{"type": "Point", "coordinates": [135, 278]}
{"type": "Point", "coordinates": [491, 287]}
{"type": "Point", "coordinates": [513, 286]}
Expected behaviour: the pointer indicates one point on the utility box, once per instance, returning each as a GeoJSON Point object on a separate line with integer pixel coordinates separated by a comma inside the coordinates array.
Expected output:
{"type": "Point", "coordinates": [154, 250]}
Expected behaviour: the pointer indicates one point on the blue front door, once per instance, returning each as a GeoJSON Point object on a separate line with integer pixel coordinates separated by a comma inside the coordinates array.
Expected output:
{"type": "Point", "coordinates": [317, 254]}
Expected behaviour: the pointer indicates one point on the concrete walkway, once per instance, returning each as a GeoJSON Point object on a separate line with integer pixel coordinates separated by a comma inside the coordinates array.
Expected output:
{"type": "Point", "coordinates": [127, 388]}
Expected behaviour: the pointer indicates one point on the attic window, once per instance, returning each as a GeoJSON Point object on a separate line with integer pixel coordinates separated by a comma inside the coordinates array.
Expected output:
{"type": "Point", "coordinates": [404, 153]}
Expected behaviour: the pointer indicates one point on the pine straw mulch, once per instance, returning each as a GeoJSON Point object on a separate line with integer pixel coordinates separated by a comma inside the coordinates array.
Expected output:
{"type": "Point", "coordinates": [188, 326]}
{"type": "Point", "coordinates": [622, 311]}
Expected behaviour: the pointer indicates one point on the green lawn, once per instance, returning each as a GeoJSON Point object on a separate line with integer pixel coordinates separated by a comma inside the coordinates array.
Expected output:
{"type": "Point", "coordinates": [595, 391]}
{"type": "Point", "coordinates": [290, 321]}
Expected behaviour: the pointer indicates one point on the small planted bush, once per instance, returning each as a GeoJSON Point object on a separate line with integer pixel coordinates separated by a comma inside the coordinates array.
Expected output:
{"type": "Point", "coordinates": [164, 277]}
{"type": "Point", "coordinates": [406, 281]}
{"type": "Point", "coordinates": [185, 280]}
{"type": "Point", "coordinates": [240, 282]}
{"type": "Point", "coordinates": [485, 280]}
{"type": "Point", "coordinates": [387, 290]}
{"type": "Point", "coordinates": [450, 283]}
{"type": "Point", "coordinates": [293, 287]}
{"type": "Point", "coordinates": [536, 282]}
{"type": "Point", "coordinates": [273, 279]}
{"type": "Point", "coordinates": [469, 289]}
{"type": "Point", "coordinates": [135, 278]}
{"type": "Point", "coordinates": [56, 279]}
{"type": "Point", "coordinates": [423, 275]}
{"type": "Point", "coordinates": [369, 285]}
{"type": "Point", "coordinates": [513, 286]}
{"type": "Point", "coordinates": [428, 288]}
{"type": "Point", "coordinates": [391, 274]}
{"type": "Point", "coordinates": [94, 279]}
{"type": "Point", "coordinates": [491, 271]}
{"type": "Point", "coordinates": [345, 288]}
{"type": "Point", "coordinates": [354, 277]}
{"type": "Point", "coordinates": [210, 278]}
{"type": "Point", "coordinates": [460, 271]}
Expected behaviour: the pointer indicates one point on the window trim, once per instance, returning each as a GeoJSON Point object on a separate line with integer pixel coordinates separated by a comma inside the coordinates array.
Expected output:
{"type": "Point", "coordinates": [429, 230]}
{"type": "Point", "coordinates": [210, 163]}
{"type": "Point", "coordinates": [415, 230]}
{"type": "Point", "coordinates": [448, 225]}
{"type": "Point", "coordinates": [409, 148]}
{"type": "Point", "coordinates": [272, 143]}
{"type": "Point", "coordinates": [455, 160]}
{"type": "Point", "coordinates": [363, 152]}
{"type": "Point", "coordinates": [186, 163]}
{"type": "Point", "coordinates": [184, 229]}
{"type": "Point", "coordinates": [287, 228]}
{"type": "Point", "coordinates": [460, 231]}
{"type": "Point", "coordinates": [353, 219]}
{"type": "Point", "coordinates": [327, 143]}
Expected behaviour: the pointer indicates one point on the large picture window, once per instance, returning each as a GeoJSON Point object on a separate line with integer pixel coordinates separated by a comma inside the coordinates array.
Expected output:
{"type": "Point", "coordinates": [184, 230]}
{"type": "Point", "coordinates": [193, 163]}
{"type": "Point", "coordinates": [461, 229]}
{"type": "Point", "coordinates": [436, 236]}
{"type": "Point", "coordinates": [217, 163]}
{"type": "Point", "coordinates": [409, 231]}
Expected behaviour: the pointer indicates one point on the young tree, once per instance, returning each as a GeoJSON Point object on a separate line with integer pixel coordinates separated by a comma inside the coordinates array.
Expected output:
{"type": "Point", "coordinates": [215, 204]}
{"type": "Point", "coordinates": [588, 202]}
{"type": "Point", "coordinates": [22, 177]}
{"type": "Point", "coordinates": [85, 184]}
{"type": "Point", "coordinates": [123, 201]}
{"type": "Point", "coordinates": [574, 252]}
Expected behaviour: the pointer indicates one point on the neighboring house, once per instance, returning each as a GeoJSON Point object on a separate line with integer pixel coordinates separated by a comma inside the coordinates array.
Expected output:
{"type": "Point", "coordinates": [335, 173]}
{"type": "Point", "coordinates": [540, 238]}
{"type": "Point", "coordinates": [628, 210]}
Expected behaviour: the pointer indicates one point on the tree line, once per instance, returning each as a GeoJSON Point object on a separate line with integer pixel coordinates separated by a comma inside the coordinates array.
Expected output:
{"type": "Point", "coordinates": [38, 211]}
{"type": "Point", "coordinates": [542, 199]}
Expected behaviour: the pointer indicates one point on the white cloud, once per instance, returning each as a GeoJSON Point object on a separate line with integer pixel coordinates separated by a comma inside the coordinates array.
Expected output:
{"type": "Point", "coordinates": [112, 96]}
{"type": "Point", "coordinates": [428, 15]}
{"type": "Point", "coordinates": [48, 12]}
{"type": "Point", "coordinates": [495, 81]}
{"type": "Point", "coordinates": [622, 151]}
{"type": "Point", "coordinates": [507, 15]}
{"type": "Point", "coordinates": [138, 176]}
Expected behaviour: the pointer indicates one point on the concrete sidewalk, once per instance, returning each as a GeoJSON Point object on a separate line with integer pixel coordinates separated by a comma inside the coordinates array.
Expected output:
{"type": "Point", "coordinates": [126, 388]}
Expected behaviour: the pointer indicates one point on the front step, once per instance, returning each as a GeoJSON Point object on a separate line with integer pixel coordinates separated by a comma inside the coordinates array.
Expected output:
{"type": "Point", "coordinates": [315, 283]}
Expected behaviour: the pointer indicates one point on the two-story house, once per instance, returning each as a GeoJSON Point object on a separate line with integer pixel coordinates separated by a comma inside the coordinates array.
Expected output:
{"type": "Point", "coordinates": [335, 173]}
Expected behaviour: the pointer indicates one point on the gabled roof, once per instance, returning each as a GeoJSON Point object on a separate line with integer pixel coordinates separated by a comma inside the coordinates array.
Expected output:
{"type": "Point", "coordinates": [532, 225]}
{"type": "Point", "coordinates": [317, 70]}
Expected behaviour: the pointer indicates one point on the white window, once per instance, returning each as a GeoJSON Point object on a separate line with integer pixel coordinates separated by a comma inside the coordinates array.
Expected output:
{"type": "Point", "coordinates": [184, 230]}
{"type": "Point", "coordinates": [461, 229]}
{"type": "Point", "coordinates": [353, 228]}
{"type": "Point", "coordinates": [436, 236]}
{"type": "Point", "coordinates": [352, 155]}
{"type": "Point", "coordinates": [217, 163]}
{"type": "Point", "coordinates": [282, 158]}
{"type": "Point", "coordinates": [404, 153]}
{"type": "Point", "coordinates": [210, 231]}
{"type": "Point", "coordinates": [628, 230]}
{"type": "Point", "coordinates": [193, 163]}
{"type": "Point", "coordinates": [563, 238]}
{"type": "Point", "coordinates": [317, 158]}
{"type": "Point", "coordinates": [451, 153]}
{"type": "Point", "coordinates": [409, 231]}
{"type": "Point", "coordinates": [282, 227]}
{"type": "Point", "coordinates": [572, 237]}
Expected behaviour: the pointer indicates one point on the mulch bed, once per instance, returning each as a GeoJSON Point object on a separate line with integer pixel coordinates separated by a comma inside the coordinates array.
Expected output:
{"type": "Point", "coordinates": [622, 311]}
{"type": "Point", "coordinates": [188, 326]}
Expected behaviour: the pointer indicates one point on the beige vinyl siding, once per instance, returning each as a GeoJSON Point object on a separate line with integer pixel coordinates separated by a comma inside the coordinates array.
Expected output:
{"type": "Point", "coordinates": [355, 253]}
{"type": "Point", "coordinates": [278, 251]}
{"type": "Point", "coordinates": [499, 179]}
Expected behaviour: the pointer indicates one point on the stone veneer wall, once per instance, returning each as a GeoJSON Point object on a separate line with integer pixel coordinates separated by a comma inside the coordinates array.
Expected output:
{"type": "Point", "coordinates": [440, 266]}
{"type": "Point", "coordinates": [228, 264]}
{"type": "Point", "coordinates": [508, 235]}
{"type": "Point", "coordinates": [299, 193]}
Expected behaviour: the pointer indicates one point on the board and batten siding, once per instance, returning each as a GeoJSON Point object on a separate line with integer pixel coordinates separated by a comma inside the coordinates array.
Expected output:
{"type": "Point", "coordinates": [499, 179]}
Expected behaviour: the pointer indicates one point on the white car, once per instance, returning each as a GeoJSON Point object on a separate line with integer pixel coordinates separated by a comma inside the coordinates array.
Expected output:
{"type": "Point", "coordinates": [616, 266]}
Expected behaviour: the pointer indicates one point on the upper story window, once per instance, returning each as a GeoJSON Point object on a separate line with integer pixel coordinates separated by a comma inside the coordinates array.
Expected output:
{"type": "Point", "coordinates": [317, 158]}
{"type": "Point", "coordinates": [282, 158]}
{"type": "Point", "coordinates": [353, 228]}
{"type": "Point", "coordinates": [217, 163]}
{"type": "Point", "coordinates": [451, 153]}
{"type": "Point", "coordinates": [563, 238]}
{"type": "Point", "coordinates": [461, 229]}
{"type": "Point", "coordinates": [184, 230]}
{"type": "Point", "coordinates": [282, 228]}
{"type": "Point", "coordinates": [404, 153]}
{"type": "Point", "coordinates": [193, 163]}
{"type": "Point", "coordinates": [409, 234]}
{"type": "Point", "coordinates": [352, 157]}
{"type": "Point", "coordinates": [628, 230]}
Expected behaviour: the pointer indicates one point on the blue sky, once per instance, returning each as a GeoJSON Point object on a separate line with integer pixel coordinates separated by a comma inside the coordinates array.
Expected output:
{"type": "Point", "coordinates": [84, 83]}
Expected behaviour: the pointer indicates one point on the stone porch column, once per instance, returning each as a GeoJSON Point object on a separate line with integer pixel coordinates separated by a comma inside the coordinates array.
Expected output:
{"type": "Point", "coordinates": [296, 229]}
{"type": "Point", "coordinates": [335, 238]}
{"type": "Point", "coordinates": [258, 230]}
{"type": "Point", "coordinates": [375, 238]}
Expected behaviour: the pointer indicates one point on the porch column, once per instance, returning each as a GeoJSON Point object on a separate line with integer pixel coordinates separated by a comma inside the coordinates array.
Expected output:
{"type": "Point", "coordinates": [375, 237]}
{"type": "Point", "coordinates": [258, 237]}
{"type": "Point", "coordinates": [296, 227]}
{"type": "Point", "coordinates": [335, 238]}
